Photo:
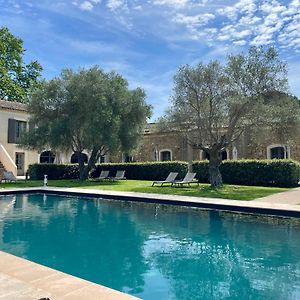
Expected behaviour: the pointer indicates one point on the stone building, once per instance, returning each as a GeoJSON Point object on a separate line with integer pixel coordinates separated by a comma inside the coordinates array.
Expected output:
{"type": "Point", "coordinates": [162, 146]}
{"type": "Point", "coordinates": [155, 145]}
{"type": "Point", "coordinates": [13, 121]}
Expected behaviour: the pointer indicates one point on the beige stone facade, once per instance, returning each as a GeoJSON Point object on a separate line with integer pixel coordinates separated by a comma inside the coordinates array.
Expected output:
{"type": "Point", "coordinates": [13, 119]}
{"type": "Point", "coordinates": [155, 145]}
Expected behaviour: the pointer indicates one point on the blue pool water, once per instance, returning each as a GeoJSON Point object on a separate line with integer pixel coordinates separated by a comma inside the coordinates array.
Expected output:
{"type": "Point", "coordinates": [156, 251]}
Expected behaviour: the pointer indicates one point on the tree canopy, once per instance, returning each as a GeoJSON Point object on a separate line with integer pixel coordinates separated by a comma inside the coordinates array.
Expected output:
{"type": "Point", "coordinates": [16, 77]}
{"type": "Point", "coordinates": [88, 110]}
{"type": "Point", "coordinates": [215, 103]}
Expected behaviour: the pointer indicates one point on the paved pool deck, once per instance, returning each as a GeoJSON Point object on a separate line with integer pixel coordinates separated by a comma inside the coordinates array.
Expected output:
{"type": "Point", "coordinates": [290, 197]}
{"type": "Point", "coordinates": [23, 279]}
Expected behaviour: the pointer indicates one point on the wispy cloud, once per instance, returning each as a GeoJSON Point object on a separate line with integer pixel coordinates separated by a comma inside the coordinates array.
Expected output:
{"type": "Point", "coordinates": [146, 40]}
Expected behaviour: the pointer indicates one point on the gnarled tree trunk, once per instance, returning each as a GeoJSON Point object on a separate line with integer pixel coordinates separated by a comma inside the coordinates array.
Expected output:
{"type": "Point", "coordinates": [84, 170]}
{"type": "Point", "coordinates": [215, 160]}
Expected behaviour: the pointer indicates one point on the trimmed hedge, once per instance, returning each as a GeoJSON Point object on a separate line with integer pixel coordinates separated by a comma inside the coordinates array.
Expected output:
{"type": "Point", "coordinates": [37, 171]}
{"type": "Point", "coordinates": [142, 171]}
{"type": "Point", "coordinates": [279, 173]}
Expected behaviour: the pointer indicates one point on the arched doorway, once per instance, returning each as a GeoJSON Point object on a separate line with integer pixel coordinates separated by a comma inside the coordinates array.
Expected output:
{"type": "Point", "coordinates": [74, 158]}
{"type": "Point", "coordinates": [47, 157]}
{"type": "Point", "coordinates": [278, 152]}
{"type": "Point", "coordinates": [165, 155]}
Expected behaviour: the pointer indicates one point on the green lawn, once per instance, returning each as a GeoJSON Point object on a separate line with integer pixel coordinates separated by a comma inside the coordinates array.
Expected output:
{"type": "Point", "coordinates": [227, 192]}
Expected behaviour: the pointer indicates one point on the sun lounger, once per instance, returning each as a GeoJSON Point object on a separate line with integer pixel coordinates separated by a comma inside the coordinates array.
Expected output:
{"type": "Point", "coordinates": [9, 176]}
{"type": "Point", "coordinates": [103, 175]}
{"type": "Point", "coordinates": [120, 175]}
{"type": "Point", "coordinates": [170, 179]}
{"type": "Point", "coordinates": [188, 179]}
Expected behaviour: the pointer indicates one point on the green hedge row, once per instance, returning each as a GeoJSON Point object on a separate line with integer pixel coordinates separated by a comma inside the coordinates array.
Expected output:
{"type": "Point", "coordinates": [37, 171]}
{"type": "Point", "coordinates": [280, 173]}
{"type": "Point", "coordinates": [144, 171]}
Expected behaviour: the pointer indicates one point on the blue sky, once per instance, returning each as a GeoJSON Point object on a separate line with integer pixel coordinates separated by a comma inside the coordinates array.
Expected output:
{"type": "Point", "coordinates": [147, 40]}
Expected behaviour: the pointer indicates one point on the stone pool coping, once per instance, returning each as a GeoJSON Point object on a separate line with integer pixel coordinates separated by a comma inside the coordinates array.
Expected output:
{"type": "Point", "coordinates": [23, 279]}
{"type": "Point", "coordinates": [240, 206]}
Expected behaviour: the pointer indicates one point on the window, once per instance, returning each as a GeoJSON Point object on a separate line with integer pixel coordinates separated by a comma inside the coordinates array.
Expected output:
{"type": "Point", "coordinates": [278, 152]}
{"type": "Point", "coordinates": [15, 130]}
{"type": "Point", "coordinates": [20, 129]}
{"type": "Point", "coordinates": [74, 158]}
{"type": "Point", "coordinates": [165, 155]}
{"type": "Point", "coordinates": [206, 155]}
{"type": "Point", "coordinates": [47, 157]}
{"type": "Point", "coordinates": [224, 155]}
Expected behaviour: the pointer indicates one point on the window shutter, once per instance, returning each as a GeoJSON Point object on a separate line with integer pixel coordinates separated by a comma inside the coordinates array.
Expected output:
{"type": "Point", "coordinates": [11, 135]}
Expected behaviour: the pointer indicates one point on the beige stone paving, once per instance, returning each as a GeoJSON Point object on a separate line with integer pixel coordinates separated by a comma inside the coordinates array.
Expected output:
{"type": "Point", "coordinates": [26, 280]}
{"type": "Point", "coordinates": [291, 197]}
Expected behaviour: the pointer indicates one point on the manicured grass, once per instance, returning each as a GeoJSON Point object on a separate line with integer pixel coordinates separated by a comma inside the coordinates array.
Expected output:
{"type": "Point", "coordinates": [235, 192]}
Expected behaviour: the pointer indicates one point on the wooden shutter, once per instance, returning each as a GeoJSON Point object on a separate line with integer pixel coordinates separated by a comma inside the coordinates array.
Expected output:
{"type": "Point", "coordinates": [11, 135]}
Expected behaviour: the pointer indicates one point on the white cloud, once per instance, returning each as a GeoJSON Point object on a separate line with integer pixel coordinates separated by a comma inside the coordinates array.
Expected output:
{"type": "Point", "coordinates": [86, 5]}
{"type": "Point", "coordinates": [172, 3]}
{"type": "Point", "coordinates": [246, 22]}
{"type": "Point", "coordinates": [115, 4]}
{"type": "Point", "coordinates": [240, 43]}
{"type": "Point", "coordinates": [193, 21]}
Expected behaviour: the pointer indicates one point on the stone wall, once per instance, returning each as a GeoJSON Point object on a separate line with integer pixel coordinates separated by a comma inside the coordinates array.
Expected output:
{"type": "Point", "coordinates": [248, 146]}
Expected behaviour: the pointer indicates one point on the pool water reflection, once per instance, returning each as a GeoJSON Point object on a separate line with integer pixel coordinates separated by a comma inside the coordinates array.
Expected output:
{"type": "Point", "coordinates": [156, 251]}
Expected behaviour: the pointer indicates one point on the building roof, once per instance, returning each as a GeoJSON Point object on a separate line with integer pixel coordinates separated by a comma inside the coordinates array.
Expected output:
{"type": "Point", "coordinates": [12, 105]}
{"type": "Point", "coordinates": [150, 128]}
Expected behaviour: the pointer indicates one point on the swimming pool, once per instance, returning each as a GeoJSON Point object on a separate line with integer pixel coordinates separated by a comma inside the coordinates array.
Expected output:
{"type": "Point", "coordinates": [156, 251]}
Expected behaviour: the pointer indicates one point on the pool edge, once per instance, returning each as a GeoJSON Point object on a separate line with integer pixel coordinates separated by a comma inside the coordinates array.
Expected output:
{"type": "Point", "coordinates": [237, 206]}
{"type": "Point", "coordinates": [20, 277]}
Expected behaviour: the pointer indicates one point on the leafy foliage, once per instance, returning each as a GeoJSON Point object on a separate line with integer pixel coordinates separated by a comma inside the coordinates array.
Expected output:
{"type": "Point", "coordinates": [215, 104]}
{"type": "Point", "coordinates": [54, 171]}
{"type": "Point", "coordinates": [16, 78]}
{"type": "Point", "coordinates": [279, 173]}
{"type": "Point", "coordinates": [88, 110]}
{"type": "Point", "coordinates": [142, 171]}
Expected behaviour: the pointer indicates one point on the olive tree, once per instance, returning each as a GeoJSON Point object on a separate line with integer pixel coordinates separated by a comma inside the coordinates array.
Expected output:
{"type": "Point", "coordinates": [215, 103]}
{"type": "Point", "coordinates": [89, 110]}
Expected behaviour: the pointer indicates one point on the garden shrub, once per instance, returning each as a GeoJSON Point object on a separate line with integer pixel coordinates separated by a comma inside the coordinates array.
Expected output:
{"type": "Point", "coordinates": [142, 171]}
{"type": "Point", "coordinates": [54, 171]}
{"type": "Point", "coordinates": [279, 173]}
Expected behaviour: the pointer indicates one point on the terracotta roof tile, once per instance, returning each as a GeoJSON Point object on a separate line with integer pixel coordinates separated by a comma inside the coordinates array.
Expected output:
{"type": "Point", "coordinates": [11, 105]}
